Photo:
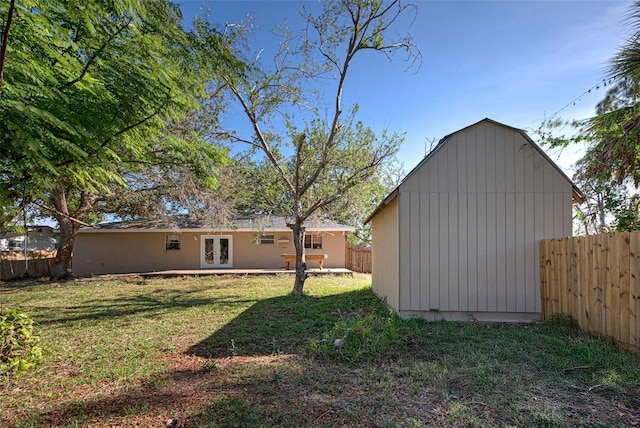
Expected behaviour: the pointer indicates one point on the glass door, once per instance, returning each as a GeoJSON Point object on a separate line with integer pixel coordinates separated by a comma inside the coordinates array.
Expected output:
{"type": "Point", "coordinates": [216, 251]}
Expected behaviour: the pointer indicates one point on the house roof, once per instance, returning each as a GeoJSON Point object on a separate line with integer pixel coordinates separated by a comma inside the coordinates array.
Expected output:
{"type": "Point", "coordinates": [262, 223]}
{"type": "Point", "coordinates": [578, 196]}
{"type": "Point", "coordinates": [32, 229]}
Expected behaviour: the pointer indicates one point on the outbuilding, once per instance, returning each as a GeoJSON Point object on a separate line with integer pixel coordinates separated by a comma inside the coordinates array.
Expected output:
{"type": "Point", "coordinates": [458, 239]}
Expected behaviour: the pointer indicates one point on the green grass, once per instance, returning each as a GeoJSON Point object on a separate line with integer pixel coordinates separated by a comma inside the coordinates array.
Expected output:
{"type": "Point", "coordinates": [241, 351]}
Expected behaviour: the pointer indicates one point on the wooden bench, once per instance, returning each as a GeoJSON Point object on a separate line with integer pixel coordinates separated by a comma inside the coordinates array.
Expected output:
{"type": "Point", "coordinates": [319, 258]}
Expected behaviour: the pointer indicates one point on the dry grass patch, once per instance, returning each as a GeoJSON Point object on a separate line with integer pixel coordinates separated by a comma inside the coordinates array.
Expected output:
{"type": "Point", "coordinates": [31, 254]}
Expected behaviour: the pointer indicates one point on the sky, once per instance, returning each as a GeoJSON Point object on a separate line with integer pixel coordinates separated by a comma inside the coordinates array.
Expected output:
{"type": "Point", "coordinates": [516, 62]}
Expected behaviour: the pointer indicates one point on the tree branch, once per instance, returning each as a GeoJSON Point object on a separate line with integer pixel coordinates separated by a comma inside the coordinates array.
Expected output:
{"type": "Point", "coordinates": [264, 145]}
{"type": "Point", "coordinates": [5, 40]}
{"type": "Point", "coordinates": [55, 211]}
{"type": "Point", "coordinates": [129, 128]}
{"type": "Point", "coordinates": [92, 58]}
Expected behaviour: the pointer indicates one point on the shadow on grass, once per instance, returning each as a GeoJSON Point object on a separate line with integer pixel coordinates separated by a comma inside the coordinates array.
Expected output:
{"type": "Point", "coordinates": [283, 324]}
{"type": "Point", "coordinates": [152, 303]}
{"type": "Point", "coordinates": [23, 284]}
{"type": "Point", "coordinates": [271, 326]}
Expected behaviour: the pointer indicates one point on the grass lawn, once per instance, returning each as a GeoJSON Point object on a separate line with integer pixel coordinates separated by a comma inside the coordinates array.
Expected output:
{"type": "Point", "coordinates": [241, 352]}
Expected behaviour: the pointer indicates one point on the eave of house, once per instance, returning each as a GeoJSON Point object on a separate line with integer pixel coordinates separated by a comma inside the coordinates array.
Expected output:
{"type": "Point", "coordinates": [347, 230]}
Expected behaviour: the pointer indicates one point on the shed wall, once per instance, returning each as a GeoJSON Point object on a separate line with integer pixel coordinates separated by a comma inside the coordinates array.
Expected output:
{"type": "Point", "coordinates": [128, 252]}
{"type": "Point", "coordinates": [385, 255]}
{"type": "Point", "coordinates": [470, 221]}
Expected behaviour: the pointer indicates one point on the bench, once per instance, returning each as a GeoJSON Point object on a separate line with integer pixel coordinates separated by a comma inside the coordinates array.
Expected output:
{"type": "Point", "coordinates": [318, 258]}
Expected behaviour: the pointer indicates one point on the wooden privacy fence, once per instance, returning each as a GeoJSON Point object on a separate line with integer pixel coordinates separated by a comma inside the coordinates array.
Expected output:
{"type": "Point", "coordinates": [596, 279]}
{"type": "Point", "coordinates": [11, 269]}
{"type": "Point", "coordinates": [358, 258]}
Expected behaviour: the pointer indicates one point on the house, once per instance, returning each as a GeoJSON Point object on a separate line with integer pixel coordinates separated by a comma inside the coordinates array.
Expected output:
{"type": "Point", "coordinates": [251, 243]}
{"type": "Point", "coordinates": [43, 238]}
{"type": "Point", "coordinates": [459, 237]}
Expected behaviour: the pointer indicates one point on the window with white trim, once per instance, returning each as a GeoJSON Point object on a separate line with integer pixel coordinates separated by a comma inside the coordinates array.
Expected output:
{"type": "Point", "coordinates": [267, 239]}
{"type": "Point", "coordinates": [16, 244]}
{"type": "Point", "coordinates": [172, 242]}
{"type": "Point", "coordinates": [313, 242]}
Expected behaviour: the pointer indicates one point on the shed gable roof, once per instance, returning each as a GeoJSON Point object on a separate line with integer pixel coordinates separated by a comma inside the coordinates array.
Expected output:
{"type": "Point", "coordinates": [578, 196]}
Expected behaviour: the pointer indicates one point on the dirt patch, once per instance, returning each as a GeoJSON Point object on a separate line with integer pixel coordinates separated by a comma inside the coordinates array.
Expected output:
{"type": "Point", "coordinates": [290, 390]}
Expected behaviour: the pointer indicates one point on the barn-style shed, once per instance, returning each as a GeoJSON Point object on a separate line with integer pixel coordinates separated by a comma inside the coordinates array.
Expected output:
{"type": "Point", "coordinates": [459, 237]}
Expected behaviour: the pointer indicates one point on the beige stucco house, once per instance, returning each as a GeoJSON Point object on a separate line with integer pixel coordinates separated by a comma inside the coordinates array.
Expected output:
{"type": "Point", "coordinates": [459, 237]}
{"type": "Point", "coordinates": [253, 243]}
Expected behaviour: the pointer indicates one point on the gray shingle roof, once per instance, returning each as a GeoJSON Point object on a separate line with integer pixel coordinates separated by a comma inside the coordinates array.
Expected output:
{"type": "Point", "coordinates": [254, 223]}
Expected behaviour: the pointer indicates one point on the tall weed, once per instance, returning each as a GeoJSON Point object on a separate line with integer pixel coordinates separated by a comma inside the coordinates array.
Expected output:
{"type": "Point", "coordinates": [358, 337]}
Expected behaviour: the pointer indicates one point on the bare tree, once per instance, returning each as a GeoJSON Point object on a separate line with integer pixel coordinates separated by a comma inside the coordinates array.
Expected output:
{"type": "Point", "coordinates": [323, 157]}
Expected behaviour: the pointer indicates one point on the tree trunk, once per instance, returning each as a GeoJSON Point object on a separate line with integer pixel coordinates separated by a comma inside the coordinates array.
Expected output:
{"type": "Point", "coordinates": [69, 225]}
{"type": "Point", "coordinates": [61, 267]}
{"type": "Point", "coordinates": [5, 39]}
{"type": "Point", "coordinates": [301, 266]}
{"type": "Point", "coordinates": [602, 227]}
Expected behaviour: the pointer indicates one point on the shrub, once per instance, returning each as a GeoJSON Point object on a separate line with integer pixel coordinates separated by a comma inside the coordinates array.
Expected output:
{"type": "Point", "coordinates": [19, 347]}
{"type": "Point", "coordinates": [357, 337]}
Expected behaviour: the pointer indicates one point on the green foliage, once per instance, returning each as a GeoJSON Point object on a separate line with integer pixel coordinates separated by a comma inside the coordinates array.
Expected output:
{"type": "Point", "coordinates": [94, 102]}
{"type": "Point", "coordinates": [609, 206]}
{"type": "Point", "coordinates": [355, 338]}
{"type": "Point", "coordinates": [95, 97]}
{"type": "Point", "coordinates": [76, 92]}
{"type": "Point", "coordinates": [19, 346]}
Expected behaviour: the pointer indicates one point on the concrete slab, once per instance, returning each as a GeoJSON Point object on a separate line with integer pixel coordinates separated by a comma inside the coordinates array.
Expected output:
{"type": "Point", "coordinates": [245, 272]}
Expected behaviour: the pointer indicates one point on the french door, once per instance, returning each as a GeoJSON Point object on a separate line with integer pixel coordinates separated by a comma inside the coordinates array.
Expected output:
{"type": "Point", "coordinates": [216, 251]}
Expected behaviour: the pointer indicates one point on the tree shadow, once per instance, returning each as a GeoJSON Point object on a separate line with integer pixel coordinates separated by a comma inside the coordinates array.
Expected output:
{"type": "Point", "coordinates": [152, 304]}
{"type": "Point", "coordinates": [11, 285]}
{"type": "Point", "coordinates": [271, 326]}
{"type": "Point", "coordinates": [283, 324]}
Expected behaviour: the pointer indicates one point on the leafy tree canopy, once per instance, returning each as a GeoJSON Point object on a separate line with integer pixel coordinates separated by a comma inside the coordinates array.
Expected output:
{"type": "Point", "coordinates": [92, 98]}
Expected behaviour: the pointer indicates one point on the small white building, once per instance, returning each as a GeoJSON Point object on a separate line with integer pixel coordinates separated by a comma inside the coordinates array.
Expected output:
{"type": "Point", "coordinates": [459, 237]}
{"type": "Point", "coordinates": [44, 238]}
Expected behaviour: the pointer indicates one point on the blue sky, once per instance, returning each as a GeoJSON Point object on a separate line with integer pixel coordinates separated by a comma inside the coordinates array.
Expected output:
{"type": "Point", "coordinates": [516, 62]}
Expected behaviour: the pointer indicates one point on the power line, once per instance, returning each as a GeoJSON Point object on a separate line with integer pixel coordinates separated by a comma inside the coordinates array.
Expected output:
{"type": "Point", "coordinates": [595, 87]}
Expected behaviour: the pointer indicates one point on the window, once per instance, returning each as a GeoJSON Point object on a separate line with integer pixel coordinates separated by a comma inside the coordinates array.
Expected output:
{"type": "Point", "coordinates": [313, 242]}
{"type": "Point", "coordinates": [267, 239]}
{"type": "Point", "coordinates": [16, 244]}
{"type": "Point", "coordinates": [172, 242]}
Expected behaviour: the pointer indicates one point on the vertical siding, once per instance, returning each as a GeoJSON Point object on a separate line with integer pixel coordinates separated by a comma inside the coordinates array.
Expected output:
{"type": "Point", "coordinates": [470, 220]}
{"type": "Point", "coordinates": [385, 254]}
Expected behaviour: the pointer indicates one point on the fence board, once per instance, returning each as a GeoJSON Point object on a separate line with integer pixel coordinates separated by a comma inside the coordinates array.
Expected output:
{"type": "Point", "coordinates": [625, 287]}
{"type": "Point", "coordinates": [578, 278]}
{"type": "Point", "coordinates": [634, 292]}
{"type": "Point", "coordinates": [544, 280]}
{"type": "Point", "coordinates": [358, 258]}
{"type": "Point", "coordinates": [12, 269]}
{"type": "Point", "coordinates": [596, 279]}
